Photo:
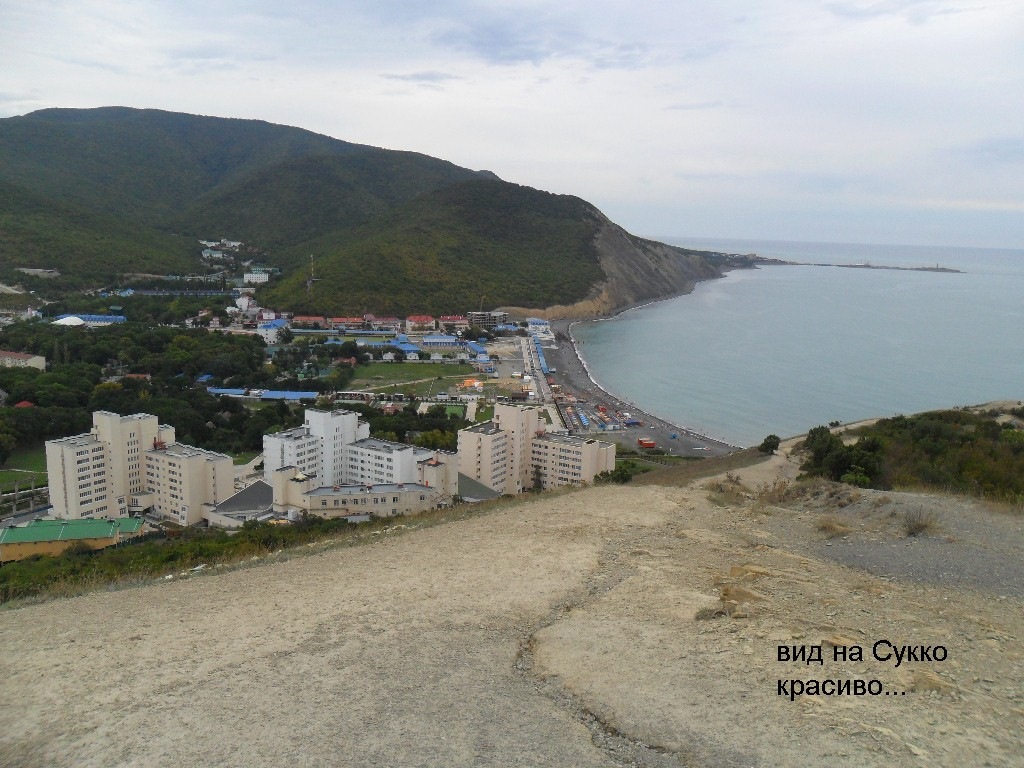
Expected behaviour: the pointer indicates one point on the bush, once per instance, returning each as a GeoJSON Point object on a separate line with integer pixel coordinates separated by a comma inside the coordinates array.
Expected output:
{"type": "Point", "coordinates": [918, 521]}
{"type": "Point", "coordinates": [770, 444]}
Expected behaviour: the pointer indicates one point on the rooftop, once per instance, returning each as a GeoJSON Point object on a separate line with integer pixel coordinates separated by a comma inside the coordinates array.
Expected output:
{"type": "Point", "coordinates": [69, 530]}
{"type": "Point", "coordinates": [363, 490]}
{"type": "Point", "coordinates": [483, 428]}
{"type": "Point", "coordinates": [86, 438]}
{"type": "Point", "coordinates": [376, 444]}
{"type": "Point", "coordinates": [258, 496]}
{"type": "Point", "coordinates": [182, 451]}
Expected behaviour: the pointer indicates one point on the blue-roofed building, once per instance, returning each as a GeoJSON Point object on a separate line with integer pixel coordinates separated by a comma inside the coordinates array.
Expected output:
{"type": "Point", "coordinates": [476, 349]}
{"type": "Point", "coordinates": [288, 395]}
{"type": "Point", "coordinates": [227, 392]}
{"type": "Point", "coordinates": [435, 341]}
{"type": "Point", "coordinates": [408, 348]}
{"type": "Point", "coordinates": [204, 378]}
{"type": "Point", "coordinates": [271, 329]}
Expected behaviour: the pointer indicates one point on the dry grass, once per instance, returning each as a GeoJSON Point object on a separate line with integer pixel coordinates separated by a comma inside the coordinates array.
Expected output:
{"type": "Point", "coordinates": [775, 492]}
{"type": "Point", "coordinates": [832, 528]}
{"type": "Point", "coordinates": [682, 475]}
{"type": "Point", "coordinates": [919, 521]}
{"type": "Point", "coordinates": [728, 492]}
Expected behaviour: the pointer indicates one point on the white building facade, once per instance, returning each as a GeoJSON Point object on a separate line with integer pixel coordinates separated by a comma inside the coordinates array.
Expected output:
{"type": "Point", "coordinates": [131, 464]}
{"type": "Point", "coordinates": [333, 453]}
{"type": "Point", "coordinates": [512, 451]}
{"type": "Point", "coordinates": [317, 447]}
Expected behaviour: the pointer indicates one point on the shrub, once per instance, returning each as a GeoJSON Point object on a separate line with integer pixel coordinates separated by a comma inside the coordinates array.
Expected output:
{"type": "Point", "coordinates": [770, 444]}
{"type": "Point", "coordinates": [832, 527]}
{"type": "Point", "coordinates": [919, 521]}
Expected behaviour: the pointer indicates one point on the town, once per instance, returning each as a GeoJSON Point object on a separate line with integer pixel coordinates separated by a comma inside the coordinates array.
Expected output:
{"type": "Point", "coordinates": [484, 371]}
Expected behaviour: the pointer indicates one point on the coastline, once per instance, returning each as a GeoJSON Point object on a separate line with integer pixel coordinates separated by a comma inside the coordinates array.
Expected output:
{"type": "Point", "coordinates": [575, 378]}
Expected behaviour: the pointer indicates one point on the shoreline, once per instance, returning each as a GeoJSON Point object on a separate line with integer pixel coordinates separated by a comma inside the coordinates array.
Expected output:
{"type": "Point", "coordinates": [576, 378]}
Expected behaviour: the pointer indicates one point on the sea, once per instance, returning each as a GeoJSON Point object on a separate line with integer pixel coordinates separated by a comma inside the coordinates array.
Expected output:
{"type": "Point", "coordinates": [781, 349]}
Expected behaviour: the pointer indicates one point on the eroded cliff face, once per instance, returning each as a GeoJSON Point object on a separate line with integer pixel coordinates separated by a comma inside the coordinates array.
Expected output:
{"type": "Point", "coordinates": [637, 271]}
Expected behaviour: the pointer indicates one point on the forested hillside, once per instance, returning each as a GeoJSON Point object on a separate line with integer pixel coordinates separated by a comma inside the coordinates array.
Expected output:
{"type": "Point", "coordinates": [104, 194]}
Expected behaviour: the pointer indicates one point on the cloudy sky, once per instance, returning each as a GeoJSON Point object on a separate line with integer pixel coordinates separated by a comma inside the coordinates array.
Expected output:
{"type": "Point", "coordinates": [885, 121]}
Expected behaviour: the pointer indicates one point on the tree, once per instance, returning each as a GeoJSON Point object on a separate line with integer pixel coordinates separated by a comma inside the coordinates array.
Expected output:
{"type": "Point", "coordinates": [538, 479]}
{"type": "Point", "coordinates": [770, 444]}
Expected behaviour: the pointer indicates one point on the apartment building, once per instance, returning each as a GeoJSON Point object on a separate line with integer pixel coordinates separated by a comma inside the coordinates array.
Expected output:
{"type": "Point", "coordinates": [21, 360]}
{"type": "Point", "coordinates": [317, 447]}
{"type": "Point", "coordinates": [333, 452]}
{"type": "Point", "coordinates": [129, 464]}
{"type": "Point", "coordinates": [184, 482]}
{"type": "Point", "coordinates": [93, 474]}
{"type": "Point", "coordinates": [296, 493]}
{"type": "Point", "coordinates": [564, 460]}
{"type": "Point", "coordinates": [512, 450]}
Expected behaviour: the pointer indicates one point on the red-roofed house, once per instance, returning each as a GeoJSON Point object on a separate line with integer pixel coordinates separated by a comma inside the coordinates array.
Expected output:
{"type": "Point", "coordinates": [457, 322]}
{"type": "Point", "coordinates": [420, 323]}
{"type": "Point", "coordinates": [307, 321]}
{"type": "Point", "coordinates": [24, 404]}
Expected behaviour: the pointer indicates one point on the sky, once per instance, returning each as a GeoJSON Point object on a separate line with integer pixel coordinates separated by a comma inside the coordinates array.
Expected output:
{"type": "Point", "coordinates": [873, 121]}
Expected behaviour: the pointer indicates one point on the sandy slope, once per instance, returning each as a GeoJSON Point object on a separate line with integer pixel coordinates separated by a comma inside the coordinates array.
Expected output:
{"type": "Point", "coordinates": [557, 632]}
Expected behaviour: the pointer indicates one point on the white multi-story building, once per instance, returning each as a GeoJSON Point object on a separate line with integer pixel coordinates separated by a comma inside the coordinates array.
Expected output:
{"type": "Point", "coordinates": [255, 277]}
{"type": "Point", "coordinates": [379, 461]}
{"type": "Point", "coordinates": [129, 464]}
{"type": "Point", "coordinates": [510, 452]}
{"type": "Point", "coordinates": [333, 451]}
{"type": "Point", "coordinates": [317, 447]}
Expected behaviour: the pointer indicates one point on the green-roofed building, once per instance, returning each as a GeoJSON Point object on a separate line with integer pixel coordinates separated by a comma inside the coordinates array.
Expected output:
{"type": "Point", "coordinates": [51, 537]}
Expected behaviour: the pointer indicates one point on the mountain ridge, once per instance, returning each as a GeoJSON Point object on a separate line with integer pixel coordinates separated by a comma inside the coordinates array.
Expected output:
{"type": "Point", "coordinates": [391, 230]}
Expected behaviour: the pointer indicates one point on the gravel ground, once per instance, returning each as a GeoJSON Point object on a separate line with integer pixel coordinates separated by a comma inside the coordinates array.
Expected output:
{"type": "Point", "coordinates": [965, 531]}
{"type": "Point", "coordinates": [571, 629]}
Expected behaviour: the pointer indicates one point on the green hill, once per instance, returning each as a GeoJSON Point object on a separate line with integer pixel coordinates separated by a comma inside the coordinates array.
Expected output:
{"type": "Point", "coordinates": [450, 249]}
{"type": "Point", "coordinates": [84, 246]}
{"type": "Point", "coordinates": [307, 197]}
{"type": "Point", "coordinates": [146, 165]}
{"type": "Point", "coordinates": [103, 192]}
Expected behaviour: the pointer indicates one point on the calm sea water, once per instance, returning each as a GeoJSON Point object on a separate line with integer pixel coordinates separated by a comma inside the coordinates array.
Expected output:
{"type": "Point", "coordinates": [782, 349]}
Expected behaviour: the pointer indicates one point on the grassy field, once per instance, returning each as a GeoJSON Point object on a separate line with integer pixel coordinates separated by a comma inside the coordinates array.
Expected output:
{"type": "Point", "coordinates": [381, 375]}
{"type": "Point", "coordinates": [22, 467]}
{"type": "Point", "coordinates": [245, 458]}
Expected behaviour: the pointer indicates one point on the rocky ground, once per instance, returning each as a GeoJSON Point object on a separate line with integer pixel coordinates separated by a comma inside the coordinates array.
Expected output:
{"type": "Point", "coordinates": [633, 625]}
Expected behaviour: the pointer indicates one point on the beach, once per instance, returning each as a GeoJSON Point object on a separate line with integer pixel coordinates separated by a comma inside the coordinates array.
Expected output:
{"type": "Point", "coordinates": [572, 375]}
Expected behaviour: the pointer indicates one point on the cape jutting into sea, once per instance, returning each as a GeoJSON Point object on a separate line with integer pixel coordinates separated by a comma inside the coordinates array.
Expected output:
{"type": "Point", "coordinates": [781, 349]}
